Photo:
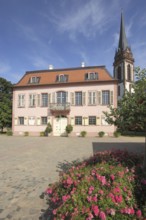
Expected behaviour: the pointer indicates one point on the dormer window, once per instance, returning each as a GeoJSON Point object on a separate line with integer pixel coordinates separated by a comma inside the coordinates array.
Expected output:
{"type": "Point", "coordinates": [62, 78]}
{"type": "Point", "coordinates": [34, 79]}
{"type": "Point", "coordinates": [91, 76]}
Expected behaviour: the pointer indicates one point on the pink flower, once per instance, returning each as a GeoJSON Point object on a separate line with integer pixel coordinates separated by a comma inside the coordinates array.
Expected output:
{"type": "Point", "coordinates": [112, 177]}
{"type": "Point", "coordinates": [65, 198]}
{"type": "Point", "coordinates": [118, 198]}
{"type": "Point", "coordinates": [49, 191]}
{"type": "Point", "coordinates": [54, 212]}
{"type": "Point", "coordinates": [89, 198]}
{"type": "Point", "coordinates": [102, 215]}
{"type": "Point", "coordinates": [95, 210]}
{"type": "Point", "coordinates": [90, 216]}
{"type": "Point", "coordinates": [94, 198]}
{"type": "Point", "coordinates": [111, 212]}
{"type": "Point", "coordinates": [69, 181]}
{"type": "Point", "coordinates": [138, 213]}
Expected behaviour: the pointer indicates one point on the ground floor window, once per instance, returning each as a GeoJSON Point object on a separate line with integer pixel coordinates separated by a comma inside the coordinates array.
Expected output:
{"type": "Point", "coordinates": [21, 120]}
{"type": "Point", "coordinates": [43, 120]}
{"type": "Point", "coordinates": [92, 120]}
{"type": "Point", "coordinates": [78, 120]}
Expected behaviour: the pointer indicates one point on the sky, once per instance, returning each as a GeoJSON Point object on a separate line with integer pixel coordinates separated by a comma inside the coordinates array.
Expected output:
{"type": "Point", "coordinates": [37, 33]}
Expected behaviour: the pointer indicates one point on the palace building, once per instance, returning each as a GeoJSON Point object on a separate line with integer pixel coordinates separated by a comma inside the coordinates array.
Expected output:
{"type": "Point", "coordinates": [76, 96]}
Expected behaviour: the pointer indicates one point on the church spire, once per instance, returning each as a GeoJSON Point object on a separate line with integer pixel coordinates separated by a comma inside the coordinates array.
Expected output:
{"type": "Point", "coordinates": [123, 44]}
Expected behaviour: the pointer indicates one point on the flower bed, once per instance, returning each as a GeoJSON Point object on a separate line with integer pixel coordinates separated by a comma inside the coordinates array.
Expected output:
{"type": "Point", "coordinates": [108, 186]}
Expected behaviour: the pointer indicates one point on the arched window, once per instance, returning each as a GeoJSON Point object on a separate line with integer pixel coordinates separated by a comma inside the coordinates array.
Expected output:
{"type": "Point", "coordinates": [129, 72]}
{"type": "Point", "coordinates": [119, 76]}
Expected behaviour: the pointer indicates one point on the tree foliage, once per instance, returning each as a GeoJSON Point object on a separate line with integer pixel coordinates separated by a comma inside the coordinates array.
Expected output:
{"type": "Point", "coordinates": [130, 115]}
{"type": "Point", "coordinates": [5, 103]}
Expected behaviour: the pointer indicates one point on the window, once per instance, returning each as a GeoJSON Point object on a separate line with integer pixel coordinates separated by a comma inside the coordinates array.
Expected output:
{"type": "Point", "coordinates": [61, 97]}
{"type": "Point", "coordinates": [129, 72]}
{"type": "Point", "coordinates": [78, 98]}
{"type": "Point", "coordinates": [32, 101]}
{"type": "Point", "coordinates": [44, 99]}
{"type": "Point", "coordinates": [21, 100]}
{"type": "Point", "coordinates": [31, 120]}
{"type": "Point", "coordinates": [34, 79]}
{"type": "Point", "coordinates": [78, 120]}
{"type": "Point", "coordinates": [62, 78]}
{"type": "Point", "coordinates": [106, 97]}
{"type": "Point", "coordinates": [91, 76]}
{"type": "Point", "coordinates": [92, 120]}
{"type": "Point", "coordinates": [21, 120]}
{"type": "Point", "coordinates": [119, 73]}
{"type": "Point", "coordinates": [92, 98]}
{"type": "Point", "coordinates": [43, 120]}
{"type": "Point", "coordinates": [119, 91]}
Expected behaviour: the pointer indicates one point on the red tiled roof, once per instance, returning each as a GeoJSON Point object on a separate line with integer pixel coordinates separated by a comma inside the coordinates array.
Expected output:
{"type": "Point", "coordinates": [75, 75]}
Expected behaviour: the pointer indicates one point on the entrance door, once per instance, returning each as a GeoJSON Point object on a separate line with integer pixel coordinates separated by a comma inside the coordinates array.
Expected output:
{"type": "Point", "coordinates": [60, 124]}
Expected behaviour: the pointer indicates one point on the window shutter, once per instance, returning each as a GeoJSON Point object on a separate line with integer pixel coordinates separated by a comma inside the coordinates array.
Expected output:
{"type": "Point", "coordinates": [38, 121]}
{"type": "Point", "coordinates": [111, 97]}
{"type": "Point", "coordinates": [57, 78]}
{"type": "Point", "coordinates": [72, 98]}
{"type": "Point", "coordinates": [16, 121]}
{"type": "Point", "coordinates": [25, 121]}
{"type": "Point", "coordinates": [53, 97]}
{"type": "Point", "coordinates": [86, 121]}
{"type": "Point", "coordinates": [89, 98]}
{"type": "Point", "coordinates": [98, 121]}
{"type": "Point", "coordinates": [96, 75]}
{"type": "Point", "coordinates": [99, 98]}
{"type": "Point", "coordinates": [38, 99]}
{"type": "Point", "coordinates": [49, 98]}
{"type": "Point", "coordinates": [67, 97]}
{"type": "Point", "coordinates": [72, 121]}
{"type": "Point", "coordinates": [83, 98]}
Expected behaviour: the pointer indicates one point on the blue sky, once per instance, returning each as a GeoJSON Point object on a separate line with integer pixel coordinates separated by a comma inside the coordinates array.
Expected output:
{"type": "Point", "coordinates": [37, 33]}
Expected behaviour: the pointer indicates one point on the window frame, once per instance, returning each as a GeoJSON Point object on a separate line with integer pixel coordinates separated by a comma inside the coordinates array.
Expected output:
{"type": "Point", "coordinates": [21, 101]}
{"type": "Point", "coordinates": [105, 97]}
{"type": "Point", "coordinates": [21, 120]}
{"type": "Point", "coordinates": [78, 98]}
{"type": "Point", "coordinates": [44, 122]}
{"type": "Point", "coordinates": [78, 120]}
{"type": "Point", "coordinates": [44, 100]}
{"type": "Point", "coordinates": [92, 120]}
{"type": "Point", "coordinates": [32, 100]}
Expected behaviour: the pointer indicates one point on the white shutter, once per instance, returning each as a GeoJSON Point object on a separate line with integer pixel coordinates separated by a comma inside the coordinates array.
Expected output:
{"type": "Point", "coordinates": [111, 97]}
{"type": "Point", "coordinates": [38, 121]}
{"type": "Point", "coordinates": [16, 121]}
{"type": "Point", "coordinates": [99, 98]}
{"type": "Point", "coordinates": [83, 98]}
{"type": "Point", "coordinates": [38, 99]}
{"type": "Point", "coordinates": [72, 121]}
{"type": "Point", "coordinates": [67, 97]}
{"type": "Point", "coordinates": [98, 121]}
{"type": "Point", "coordinates": [72, 98]}
{"type": "Point", "coordinates": [25, 121]}
{"type": "Point", "coordinates": [49, 98]}
{"type": "Point", "coordinates": [53, 97]}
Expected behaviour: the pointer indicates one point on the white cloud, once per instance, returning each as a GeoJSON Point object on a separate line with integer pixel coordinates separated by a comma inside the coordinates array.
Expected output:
{"type": "Point", "coordinates": [86, 19]}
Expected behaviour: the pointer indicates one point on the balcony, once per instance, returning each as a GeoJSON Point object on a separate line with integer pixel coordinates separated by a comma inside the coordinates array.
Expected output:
{"type": "Point", "coordinates": [59, 108]}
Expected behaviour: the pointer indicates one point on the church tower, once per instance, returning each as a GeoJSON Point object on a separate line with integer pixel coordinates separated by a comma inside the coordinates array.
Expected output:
{"type": "Point", "coordinates": [123, 63]}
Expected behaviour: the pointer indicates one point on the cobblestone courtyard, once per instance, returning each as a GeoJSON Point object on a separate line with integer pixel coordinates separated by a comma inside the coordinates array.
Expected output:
{"type": "Point", "coordinates": [29, 164]}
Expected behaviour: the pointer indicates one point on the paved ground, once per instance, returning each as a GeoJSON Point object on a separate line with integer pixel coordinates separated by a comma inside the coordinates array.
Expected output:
{"type": "Point", "coordinates": [28, 164]}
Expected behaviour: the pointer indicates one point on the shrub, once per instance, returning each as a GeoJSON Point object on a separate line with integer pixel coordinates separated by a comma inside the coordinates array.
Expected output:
{"type": "Point", "coordinates": [26, 133]}
{"type": "Point", "coordinates": [9, 132]}
{"type": "Point", "coordinates": [42, 134]}
{"type": "Point", "coordinates": [117, 134]}
{"type": "Point", "coordinates": [48, 129]}
{"type": "Point", "coordinates": [69, 129]}
{"type": "Point", "coordinates": [83, 133]}
{"type": "Point", "coordinates": [109, 185]}
{"type": "Point", "coordinates": [101, 133]}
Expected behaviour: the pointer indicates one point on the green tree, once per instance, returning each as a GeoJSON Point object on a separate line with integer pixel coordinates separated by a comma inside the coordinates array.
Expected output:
{"type": "Point", "coordinates": [130, 115]}
{"type": "Point", "coordinates": [5, 103]}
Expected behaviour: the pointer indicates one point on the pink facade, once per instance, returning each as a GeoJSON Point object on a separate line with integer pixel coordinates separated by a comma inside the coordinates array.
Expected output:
{"type": "Point", "coordinates": [85, 116]}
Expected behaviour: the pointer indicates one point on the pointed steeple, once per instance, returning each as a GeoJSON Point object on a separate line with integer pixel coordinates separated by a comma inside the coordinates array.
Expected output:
{"type": "Point", "coordinates": [123, 44]}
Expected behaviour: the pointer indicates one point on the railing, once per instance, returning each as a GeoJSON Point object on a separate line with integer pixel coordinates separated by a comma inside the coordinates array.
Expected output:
{"type": "Point", "coordinates": [59, 106]}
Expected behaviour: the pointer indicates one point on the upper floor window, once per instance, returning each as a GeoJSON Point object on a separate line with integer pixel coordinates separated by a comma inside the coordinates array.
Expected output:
{"type": "Point", "coordinates": [61, 97]}
{"type": "Point", "coordinates": [78, 98]}
{"type": "Point", "coordinates": [62, 78]}
{"type": "Point", "coordinates": [32, 100]}
{"type": "Point", "coordinates": [129, 72]}
{"type": "Point", "coordinates": [44, 100]}
{"type": "Point", "coordinates": [92, 98]}
{"type": "Point", "coordinates": [91, 76]}
{"type": "Point", "coordinates": [34, 79]}
{"type": "Point", "coordinates": [119, 73]}
{"type": "Point", "coordinates": [106, 97]}
{"type": "Point", "coordinates": [21, 100]}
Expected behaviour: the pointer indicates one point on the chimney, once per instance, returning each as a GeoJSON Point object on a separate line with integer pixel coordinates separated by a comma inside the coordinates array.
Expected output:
{"type": "Point", "coordinates": [51, 67]}
{"type": "Point", "coordinates": [83, 64]}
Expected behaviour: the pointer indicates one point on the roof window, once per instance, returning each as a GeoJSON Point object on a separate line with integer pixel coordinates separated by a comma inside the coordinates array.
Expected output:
{"type": "Point", "coordinates": [91, 76]}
